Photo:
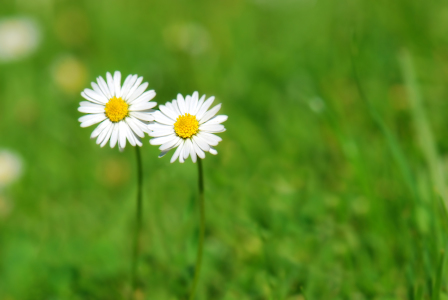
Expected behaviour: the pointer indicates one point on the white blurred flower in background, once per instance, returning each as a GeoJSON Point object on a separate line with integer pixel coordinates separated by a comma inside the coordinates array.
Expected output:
{"type": "Point", "coordinates": [10, 167]}
{"type": "Point", "coordinates": [19, 37]}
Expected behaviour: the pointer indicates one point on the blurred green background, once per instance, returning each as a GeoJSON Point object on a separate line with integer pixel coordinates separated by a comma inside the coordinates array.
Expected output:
{"type": "Point", "coordinates": [330, 181]}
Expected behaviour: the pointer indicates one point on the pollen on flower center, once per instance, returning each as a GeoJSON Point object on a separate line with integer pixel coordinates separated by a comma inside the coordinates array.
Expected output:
{"type": "Point", "coordinates": [186, 126]}
{"type": "Point", "coordinates": [116, 109]}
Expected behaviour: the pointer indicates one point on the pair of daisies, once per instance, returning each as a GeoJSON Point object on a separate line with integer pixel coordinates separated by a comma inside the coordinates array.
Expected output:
{"type": "Point", "coordinates": [125, 112]}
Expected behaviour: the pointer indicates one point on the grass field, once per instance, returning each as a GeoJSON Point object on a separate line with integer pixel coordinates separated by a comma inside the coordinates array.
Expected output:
{"type": "Point", "coordinates": [330, 182]}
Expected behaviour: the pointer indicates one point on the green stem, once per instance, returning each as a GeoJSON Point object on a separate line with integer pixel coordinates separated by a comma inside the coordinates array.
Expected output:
{"type": "Point", "coordinates": [138, 223]}
{"type": "Point", "coordinates": [201, 230]}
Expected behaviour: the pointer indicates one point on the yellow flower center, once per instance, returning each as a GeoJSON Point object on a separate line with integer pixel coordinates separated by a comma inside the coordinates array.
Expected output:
{"type": "Point", "coordinates": [116, 109]}
{"type": "Point", "coordinates": [186, 126]}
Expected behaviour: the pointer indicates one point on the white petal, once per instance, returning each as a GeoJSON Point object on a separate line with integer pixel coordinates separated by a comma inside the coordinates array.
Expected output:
{"type": "Point", "coordinates": [161, 118]}
{"type": "Point", "coordinates": [138, 140]}
{"type": "Point", "coordinates": [162, 132]}
{"type": "Point", "coordinates": [98, 97]}
{"type": "Point", "coordinates": [102, 135]}
{"type": "Point", "coordinates": [187, 148]}
{"type": "Point", "coordinates": [91, 109]}
{"type": "Point", "coordinates": [210, 138]}
{"type": "Point", "coordinates": [200, 103]}
{"type": "Point", "coordinates": [97, 131]}
{"type": "Point", "coordinates": [134, 127]}
{"type": "Point", "coordinates": [103, 138]}
{"type": "Point", "coordinates": [128, 84]}
{"type": "Point", "coordinates": [192, 151]}
{"type": "Point", "coordinates": [178, 151]}
{"type": "Point", "coordinates": [142, 125]}
{"type": "Point", "coordinates": [181, 155]}
{"type": "Point", "coordinates": [163, 153]}
{"type": "Point", "coordinates": [90, 104]}
{"type": "Point", "coordinates": [122, 134]}
{"type": "Point", "coordinates": [201, 142]}
{"type": "Point", "coordinates": [156, 126]}
{"type": "Point", "coordinates": [181, 104]}
{"type": "Point", "coordinates": [198, 149]}
{"type": "Point", "coordinates": [89, 120]}
{"type": "Point", "coordinates": [213, 151]}
{"type": "Point", "coordinates": [131, 138]}
{"type": "Point", "coordinates": [110, 83]}
{"type": "Point", "coordinates": [104, 88]}
{"type": "Point", "coordinates": [134, 87]}
{"type": "Point", "coordinates": [174, 107]}
{"type": "Point", "coordinates": [145, 97]}
{"type": "Point", "coordinates": [170, 144]}
{"type": "Point", "coordinates": [212, 128]}
{"type": "Point", "coordinates": [142, 106]}
{"type": "Point", "coordinates": [204, 107]}
{"type": "Point", "coordinates": [210, 114]}
{"type": "Point", "coordinates": [98, 90]}
{"type": "Point", "coordinates": [117, 83]}
{"type": "Point", "coordinates": [187, 103]}
{"type": "Point", "coordinates": [137, 92]}
{"type": "Point", "coordinates": [114, 136]}
{"type": "Point", "coordinates": [85, 96]}
{"type": "Point", "coordinates": [194, 103]}
{"type": "Point", "coordinates": [216, 120]}
{"type": "Point", "coordinates": [87, 117]}
{"type": "Point", "coordinates": [107, 137]}
{"type": "Point", "coordinates": [168, 112]}
{"type": "Point", "coordinates": [162, 140]}
{"type": "Point", "coordinates": [144, 116]}
{"type": "Point", "coordinates": [129, 134]}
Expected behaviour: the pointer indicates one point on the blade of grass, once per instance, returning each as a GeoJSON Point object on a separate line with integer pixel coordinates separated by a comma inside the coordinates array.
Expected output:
{"type": "Point", "coordinates": [392, 142]}
{"type": "Point", "coordinates": [401, 160]}
{"type": "Point", "coordinates": [422, 127]}
{"type": "Point", "coordinates": [439, 276]}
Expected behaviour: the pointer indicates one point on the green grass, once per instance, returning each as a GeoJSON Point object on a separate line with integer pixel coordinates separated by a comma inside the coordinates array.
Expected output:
{"type": "Point", "coordinates": [330, 182]}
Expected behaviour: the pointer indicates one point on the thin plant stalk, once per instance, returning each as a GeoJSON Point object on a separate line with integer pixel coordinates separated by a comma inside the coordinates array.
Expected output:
{"type": "Point", "coordinates": [197, 270]}
{"type": "Point", "coordinates": [422, 126]}
{"type": "Point", "coordinates": [138, 223]}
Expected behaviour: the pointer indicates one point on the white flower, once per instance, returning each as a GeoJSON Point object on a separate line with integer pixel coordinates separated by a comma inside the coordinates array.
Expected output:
{"type": "Point", "coordinates": [10, 167]}
{"type": "Point", "coordinates": [124, 111]}
{"type": "Point", "coordinates": [19, 37]}
{"type": "Point", "coordinates": [187, 125]}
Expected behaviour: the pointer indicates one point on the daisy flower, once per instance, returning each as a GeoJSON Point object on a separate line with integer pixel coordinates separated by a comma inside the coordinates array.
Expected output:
{"type": "Point", "coordinates": [186, 124]}
{"type": "Point", "coordinates": [124, 111]}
